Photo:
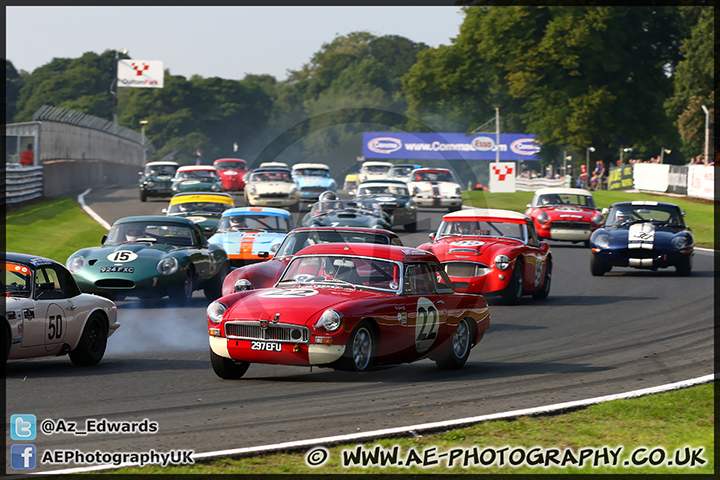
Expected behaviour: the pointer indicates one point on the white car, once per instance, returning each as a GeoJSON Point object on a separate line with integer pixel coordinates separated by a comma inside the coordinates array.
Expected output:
{"type": "Point", "coordinates": [47, 315]}
{"type": "Point", "coordinates": [373, 171]}
{"type": "Point", "coordinates": [401, 171]}
{"type": "Point", "coordinates": [435, 187]}
{"type": "Point", "coordinates": [271, 187]}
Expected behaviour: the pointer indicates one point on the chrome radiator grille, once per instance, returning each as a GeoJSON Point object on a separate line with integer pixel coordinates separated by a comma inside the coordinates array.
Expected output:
{"type": "Point", "coordinates": [277, 332]}
{"type": "Point", "coordinates": [466, 269]}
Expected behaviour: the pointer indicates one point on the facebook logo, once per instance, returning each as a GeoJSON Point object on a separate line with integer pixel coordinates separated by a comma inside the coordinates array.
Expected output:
{"type": "Point", "coordinates": [23, 427]}
{"type": "Point", "coordinates": [23, 457]}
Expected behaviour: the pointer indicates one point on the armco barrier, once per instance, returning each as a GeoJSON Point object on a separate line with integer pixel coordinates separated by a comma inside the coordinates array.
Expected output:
{"type": "Point", "coordinates": [23, 183]}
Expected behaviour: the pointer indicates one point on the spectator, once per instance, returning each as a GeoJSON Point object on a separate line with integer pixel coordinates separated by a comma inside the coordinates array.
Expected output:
{"type": "Point", "coordinates": [598, 174]}
{"type": "Point", "coordinates": [27, 157]}
{"type": "Point", "coordinates": [198, 158]}
{"type": "Point", "coordinates": [581, 178]}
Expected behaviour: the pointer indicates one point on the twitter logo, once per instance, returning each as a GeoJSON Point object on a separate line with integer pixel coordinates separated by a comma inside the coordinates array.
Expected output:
{"type": "Point", "coordinates": [23, 427]}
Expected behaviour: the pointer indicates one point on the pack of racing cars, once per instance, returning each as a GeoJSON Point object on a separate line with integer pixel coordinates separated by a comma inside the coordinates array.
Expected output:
{"type": "Point", "coordinates": [339, 291]}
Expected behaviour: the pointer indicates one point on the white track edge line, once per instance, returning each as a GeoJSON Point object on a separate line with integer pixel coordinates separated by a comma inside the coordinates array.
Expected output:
{"type": "Point", "coordinates": [90, 211]}
{"type": "Point", "coordinates": [419, 427]}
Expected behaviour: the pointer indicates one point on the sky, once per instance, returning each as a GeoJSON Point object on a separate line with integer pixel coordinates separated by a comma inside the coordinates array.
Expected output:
{"type": "Point", "coordinates": [212, 41]}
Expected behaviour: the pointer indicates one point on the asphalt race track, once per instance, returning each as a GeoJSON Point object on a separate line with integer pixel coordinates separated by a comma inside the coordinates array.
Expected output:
{"type": "Point", "coordinates": [593, 336]}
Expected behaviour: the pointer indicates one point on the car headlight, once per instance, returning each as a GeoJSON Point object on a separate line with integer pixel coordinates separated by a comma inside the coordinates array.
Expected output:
{"type": "Point", "coordinates": [252, 191]}
{"type": "Point", "coordinates": [458, 191]}
{"type": "Point", "coordinates": [168, 266]}
{"type": "Point", "coordinates": [242, 284]}
{"type": "Point", "coordinates": [293, 190]}
{"type": "Point", "coordinates": [76, 264]}
{"type": "Point", "coordinates": [680, 241]}
{"type": "Point", "coordinates": [411, 205]}
{"type": "Point", "coordinates": [215, 311]}
{"type": "Point", "coordinates": [330, 320]}
{"type": "Point", "coordinates": [502, 262]}
{"type": "Point", "coordinates": [377, 226]}
{"type": "Point", "coordinates": [333, 186]}
{"type": "Point", "coordinates": [602, 241]}
{"type": "Point", "coordinates": [597, 219]}
{"type": "Point", "coordinates": [415, 190]}
{"type": "Point", "coordinates": [150, 183]}
{"type": "Point", "coordinates": [543, 217]}
{"type": "Point", "coordinates": [274, 248]}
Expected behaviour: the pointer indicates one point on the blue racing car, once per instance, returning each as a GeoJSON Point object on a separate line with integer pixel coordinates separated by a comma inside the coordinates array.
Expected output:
{"type": "Point", "coordinates": [252, 234]}
{"type": "Point", "coordinates": [648, 235]}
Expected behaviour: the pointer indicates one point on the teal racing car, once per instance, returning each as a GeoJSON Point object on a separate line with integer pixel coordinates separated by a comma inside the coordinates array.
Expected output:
{"type": "Point", "coordinates": [151, 257]}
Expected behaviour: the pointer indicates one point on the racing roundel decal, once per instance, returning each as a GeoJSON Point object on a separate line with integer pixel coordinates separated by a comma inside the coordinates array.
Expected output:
{"type": "Point", "coordinates": [122, 256]}
{"type": "Point", "coordinates": [467, 243]}
{"type": "Point", "coordinates": [291, 293]}
{"type": "Point", "coordinates": [427, 324]}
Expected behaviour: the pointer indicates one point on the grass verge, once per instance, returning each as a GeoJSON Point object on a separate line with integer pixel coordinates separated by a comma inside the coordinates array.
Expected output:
{"type": "Point", "coordinates": [674, 424]}
{"type": "Point", "coordinates": [54, 229]}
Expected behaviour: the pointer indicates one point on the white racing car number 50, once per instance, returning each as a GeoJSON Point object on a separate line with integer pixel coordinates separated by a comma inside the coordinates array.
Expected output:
{"type": "Point", "coordinates": [427, 324]}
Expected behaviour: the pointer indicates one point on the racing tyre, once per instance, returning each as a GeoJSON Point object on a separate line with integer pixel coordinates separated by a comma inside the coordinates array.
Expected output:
{"type": "Point", "coordinates": [143, 196]}
{"type": "Point", "coordinates": [213, 289]}
{"type": "Point", "coordinates": [513, 292]}
{"type": "Point", "coordinates": [597, 267]}
{"type": "Point", "coordinates": [227, 368]}
{"type": "Point", "coordinates": [183, 292]}
{"type": "Point", "coordinates": [359, 351]}
{"type": "Point", "coordinates": [543, 293]}
{"type": "Point", "coordinates": [684, 267]}
{"type": "Point", "coordinates": [459, 350]}
{"type": "Point", "coordinates": [91, 347]}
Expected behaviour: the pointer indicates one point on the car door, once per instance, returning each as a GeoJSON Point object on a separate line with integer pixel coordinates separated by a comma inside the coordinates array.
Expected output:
{"type": "Point", "coordinates": [426, 309]}
{"type": "Point", "coordinates": [535, 258]}
{"type": "Point", "coordinates": [53, 310]}
{"type": "Point", "coordinates": [205, 264]}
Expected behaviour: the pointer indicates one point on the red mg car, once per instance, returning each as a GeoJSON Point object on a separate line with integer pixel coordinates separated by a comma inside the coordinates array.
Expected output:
{"type": "Point", "coordinates": [565, 214]}
{"type": "Point", "coordinates": [232, 172]}
{"type": "Point", "coordinates": [348, 306]}
{"type": "Point", "coordinates": [266, 274]}
{"type": "Point", "coordinates": [493, 252]}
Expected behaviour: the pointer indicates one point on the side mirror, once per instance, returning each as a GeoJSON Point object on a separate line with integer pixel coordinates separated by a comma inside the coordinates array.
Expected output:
{"type": "Point", "coordinates": [432, 236]}
{"type": "Point", "coordinates": [528, 205]}
{"type": "Point", "coordinates": [164, 210]}
{"type": "Point", "coordinates": [351, 193]}
{"type": "Point", "coordinates": [605, 211]}
{"type": "Point", "coordinates": [102, 241]}
{"type": "Point", "coordinates": [682, 213]}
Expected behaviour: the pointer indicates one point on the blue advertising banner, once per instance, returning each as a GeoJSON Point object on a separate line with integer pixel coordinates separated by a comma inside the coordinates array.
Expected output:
{"type": "Point", "coordinates": [450, 146]}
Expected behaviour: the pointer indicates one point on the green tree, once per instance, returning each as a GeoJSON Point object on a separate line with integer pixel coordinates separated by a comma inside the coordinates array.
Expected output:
{"type": "Point", "coordinates": [694, 81]}
{"type": "Point", "coordinates": [13, 84]}
{"type": "Point", "coordinates": [81, 84]}
{"type": "Point", "coordinates": [575, 76]}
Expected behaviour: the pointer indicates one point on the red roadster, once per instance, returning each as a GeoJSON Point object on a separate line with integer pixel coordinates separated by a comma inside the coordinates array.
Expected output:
{"type": "Point", "coordinates": [492, 251]}
{"type": "Point", "coordinates": [566, 214]}
{"type": "Point", "coordinates": [266, 274]}
{"type": "Point", "coordinates": [348, 306]}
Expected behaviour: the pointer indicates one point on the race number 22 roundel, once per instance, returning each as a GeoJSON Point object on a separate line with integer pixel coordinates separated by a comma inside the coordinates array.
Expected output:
{"type": "Point", "coordinates": [427, 324]}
